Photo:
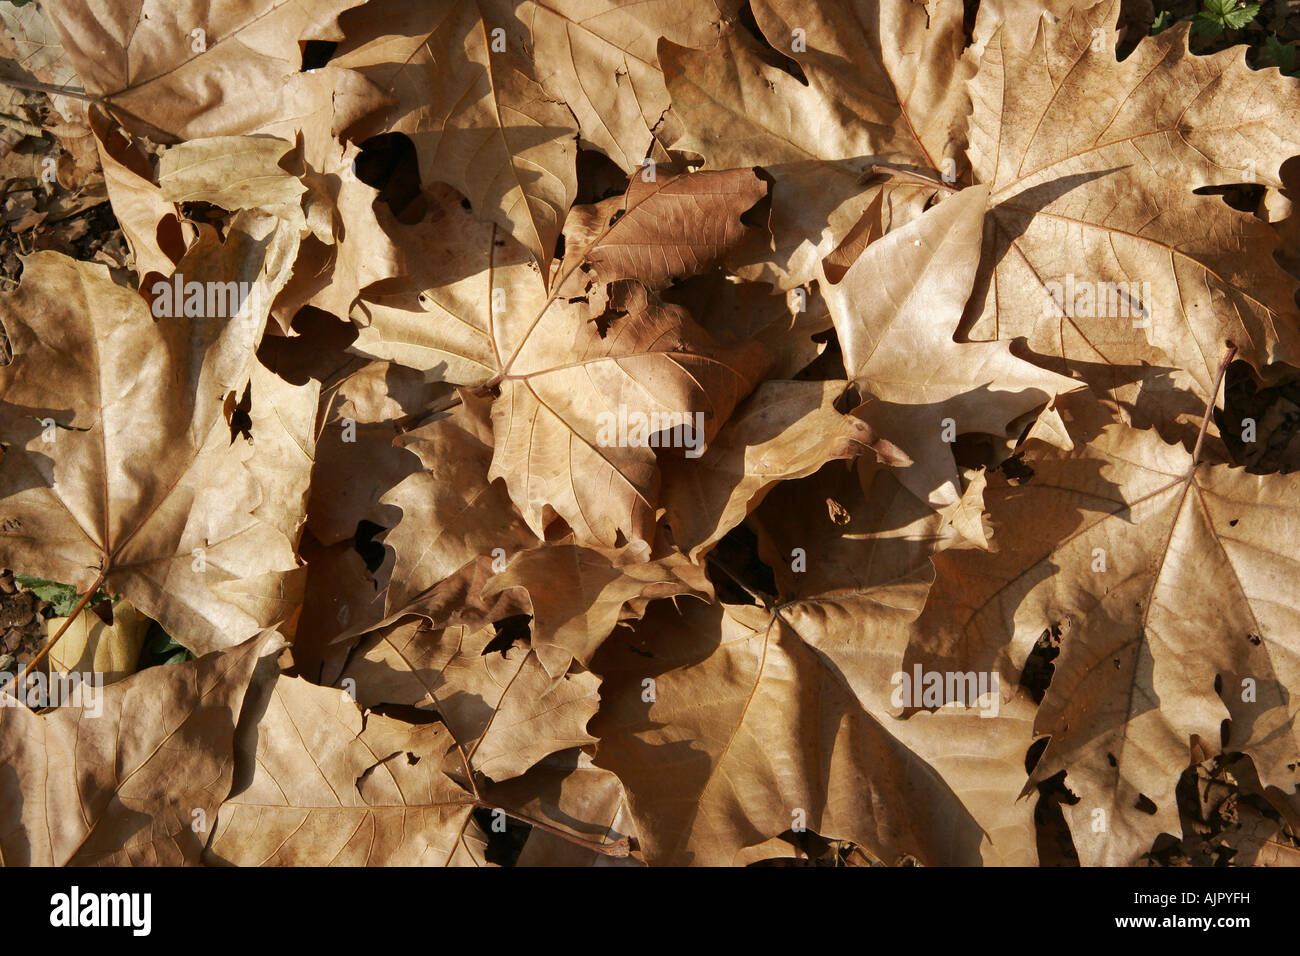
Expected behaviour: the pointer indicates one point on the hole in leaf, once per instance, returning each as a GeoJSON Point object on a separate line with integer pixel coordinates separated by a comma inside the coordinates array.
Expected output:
{"type": "Point", "coordinates": [317, 53]}
{"type": "Point", "coordinates": [1054, 843]}
{"type": "Point", "coordinates": [237, 416]}
{"type": "Point", "coordinates": [1037, 673]}
{"type": "Point", "coordinates": [509, 630]}
{"type": "Point", "coordinates": [1034, 753]}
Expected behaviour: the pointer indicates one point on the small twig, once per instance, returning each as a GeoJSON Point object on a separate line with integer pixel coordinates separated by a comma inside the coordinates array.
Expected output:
{"type": "Point", "coordinates": [911, 175]}
{"type": "Point", "coordinates": [1214, 396]}
{"type": "Point", "coordinates": [48, 89]}
{"type": "Point", "coordinates": [445, 404]}
{"type": "Point", "coordinates": [49, 645]}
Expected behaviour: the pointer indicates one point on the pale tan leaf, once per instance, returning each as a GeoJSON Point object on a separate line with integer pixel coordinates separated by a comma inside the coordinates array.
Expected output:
{"type": "Point", "coordinates": [233, 172]}
{"type": "Point", "coordinates": [318, 786]}
{"type": "Point", "coordinates": [1096, 249]}
{"type": "Point", "coordinates": [161, 78]}
{"type": "Point", "coordinates": [896, 311]}
{"type": "Point", "coordinates": [477, 115]}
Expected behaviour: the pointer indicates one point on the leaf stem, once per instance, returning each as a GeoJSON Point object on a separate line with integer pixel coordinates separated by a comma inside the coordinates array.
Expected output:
{"type": "Point", "coordinates": [619, 848]}
{"type": "Point", "coordinates": [911, 175]}
{"type": "Point", "coordinates": [49, 645]}
{"type": "Point", "coordinates": [1224, 362]}
{"type": "Point", "coordinates": [48, 89]}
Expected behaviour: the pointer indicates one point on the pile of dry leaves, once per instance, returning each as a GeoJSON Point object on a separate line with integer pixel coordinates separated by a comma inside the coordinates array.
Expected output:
{"type": "Point", "coordinates": [588, 431]}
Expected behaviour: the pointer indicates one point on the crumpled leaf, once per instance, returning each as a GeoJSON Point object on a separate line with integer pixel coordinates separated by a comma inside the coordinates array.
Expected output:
{"type": "Point", "coordinates": [573, 794]}
{"type": "Point", "coordinates": [90, 645]}
{"type": "Point", "coordinates": [601, 63]}
{"type": "Point", "coordinates": [658, 231]}
{"type": "Point", "coordinates": [885, 85]}
{"type": "Point", "coordinates": [450, 512]}
{"type": "Point", "coordinates": [150, 223]}
{"type": "Point", "coordinates": [785, 430]}
{"type": "Point", "coordinates": [502, 707]}
{"type": "Point", "coordinates": [579, 595]}
{"type": "Point", "coordinates": [896, 310]}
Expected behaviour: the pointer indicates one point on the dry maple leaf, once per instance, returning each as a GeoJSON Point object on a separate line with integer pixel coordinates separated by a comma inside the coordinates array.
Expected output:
{"type": "Point", "coordinates": [977, 744]}
{"type": "Point", "coordinates": [1095, 242]}
{"type": "Point", "coordinates": [462, 80]}
{"type": "Point", "coordinates": [658, 231]}
{"type": "Point", "coordinates": [1114, 547]}
{"type": "Point", "coordinates": [494, 94]}
{"type": "Point", "coordinates": [746, 732]}
{"type": "Point", "coordinates": [183, 71]}
{"type": "Point", "coordinates": [124, 471]}
{"type": "Point", "coordinates": [502, 707]}
{"type": "Point", "coordinates": [317, 785]}
{"type": "Point", "coordinates": [600, 60]}
{"type": "Point", "coordinates": [92, 645]}
{"type": "Point", "coordinates": [564, 370]}
{"type": "Point", "coordinates": [451, 513]}
{"type": "Point", "coordinates": [885, 83]}
{"type": "Point", "coordinates": [123, 780]}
